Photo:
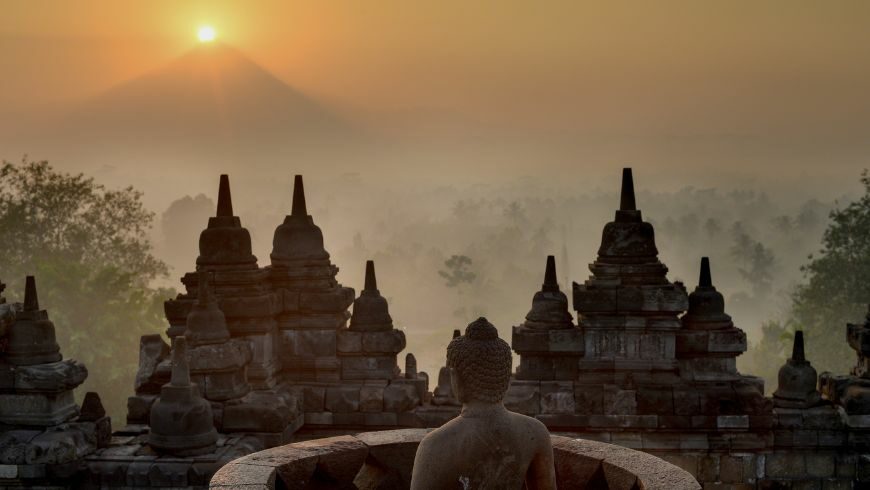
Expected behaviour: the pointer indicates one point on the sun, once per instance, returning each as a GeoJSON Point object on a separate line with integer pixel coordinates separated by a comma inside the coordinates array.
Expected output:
{"type": "Point", "coordinates": [206, 34]}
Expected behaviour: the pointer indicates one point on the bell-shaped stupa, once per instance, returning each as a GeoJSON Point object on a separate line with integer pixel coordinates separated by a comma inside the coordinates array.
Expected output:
{"type": "Point", "coordinates": [225, 243]}
{"type": "Point", "coordinates": [182, 423]}
{"type": "Point", "coordinates": [31, 339]}
{"type": "Point", "coordinates": [548, 342]}
{"type": "Point", "coordinates": [797, 379]}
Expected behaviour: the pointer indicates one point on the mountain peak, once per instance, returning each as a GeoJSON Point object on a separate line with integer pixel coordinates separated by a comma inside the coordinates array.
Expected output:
{"type": "Point", "coordinates": [211, 95]}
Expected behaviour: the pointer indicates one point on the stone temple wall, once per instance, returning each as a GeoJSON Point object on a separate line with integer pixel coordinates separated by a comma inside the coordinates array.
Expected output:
{"type": "Point", "coordinates": [650, 366]}
{"type": "Point", "coordinates": [259, 356]}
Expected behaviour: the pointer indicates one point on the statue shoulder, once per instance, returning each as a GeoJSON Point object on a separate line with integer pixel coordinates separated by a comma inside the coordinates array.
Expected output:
{"type": "Point", "coordinates": [534, 427]}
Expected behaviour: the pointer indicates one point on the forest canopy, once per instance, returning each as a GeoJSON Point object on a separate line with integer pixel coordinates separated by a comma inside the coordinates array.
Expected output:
{"type": "Point", "coordinates": [89, 250]}
{"type": "Point", "coordinates": [835, 291]}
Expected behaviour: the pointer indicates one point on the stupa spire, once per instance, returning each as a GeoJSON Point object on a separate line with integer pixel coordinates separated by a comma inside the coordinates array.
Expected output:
{"type": "Point", "coordinates": [225, 200]}
{"type": "Point", "coordinates": [705, 280]}
{"type": "Point", "coordinates": [299, 208]}
{"type": "Point", "coordinates": [797, 352]}
{"type": "Point", "coordinates": [370, 310]}
{"type": "Point", "coordinates": [225, 242]}
{"type": "Point", "coordinates": [31, 300]}
{"type": "Point", "coordinates": [706, 304]}
{"type": "Point", "coordinates": [550, 282]}
{"type": "Point", "coordinates": [626, 198]}
{"type": "Point", "coordinates": [371, 283]}
{"type": "Point", "coordinates": [180, 366]}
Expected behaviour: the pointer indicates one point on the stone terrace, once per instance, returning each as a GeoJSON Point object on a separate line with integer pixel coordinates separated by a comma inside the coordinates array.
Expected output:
{"type": "Point", "coordinates": [260, 356]}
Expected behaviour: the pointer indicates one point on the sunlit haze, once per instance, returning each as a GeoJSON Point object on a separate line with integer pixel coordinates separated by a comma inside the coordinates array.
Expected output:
{"type": "Point", "coordinates": [676, 87]}
{"type": "Point", "coordinates": [496, 130]}
{"type": "Point", "coordinates": [206, 34]}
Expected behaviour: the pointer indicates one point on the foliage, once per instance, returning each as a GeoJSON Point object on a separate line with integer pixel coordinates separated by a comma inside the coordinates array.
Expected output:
{"type": "Point", "coordinates": [458, 271]}
{"type": "Point", "coordinates": [837, 286]}
{"type": "Point", "coordinates": [176, 220]}
{"type": "Point", "coordinates": [88, 248]}
{"type": "Point", "coordinates": [181, 224]}
{"type": "Point", "coordinates": [757, 262]}
{"type": "Point", "coordinates": [769, 354]}
{"type": "Point", "coordinates": [835, 291]}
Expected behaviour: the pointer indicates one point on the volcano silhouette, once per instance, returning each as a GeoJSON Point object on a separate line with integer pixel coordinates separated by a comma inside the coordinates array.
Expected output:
{"type": "Point", "coordinates": [211, 97]}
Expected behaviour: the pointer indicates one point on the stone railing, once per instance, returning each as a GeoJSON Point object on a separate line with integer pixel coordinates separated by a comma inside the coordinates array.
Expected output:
{"type": "Point", "coordinates": [384, 460]}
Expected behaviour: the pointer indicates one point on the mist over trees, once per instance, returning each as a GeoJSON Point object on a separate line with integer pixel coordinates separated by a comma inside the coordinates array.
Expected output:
{"type": "Point", "coordinates": [835, 291]}
{"type": "Point", "coordinates": [417, 233]}
{"type": "Point", "coordinates": [89, 250]}
{"type": "Point", "coordinates": [444, 254]}
{"type": "Point", "coordinates": [180, 226]}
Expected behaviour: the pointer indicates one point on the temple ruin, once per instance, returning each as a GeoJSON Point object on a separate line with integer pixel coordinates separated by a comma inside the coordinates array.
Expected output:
{"type": "Point", "coordinates": [260, 356]}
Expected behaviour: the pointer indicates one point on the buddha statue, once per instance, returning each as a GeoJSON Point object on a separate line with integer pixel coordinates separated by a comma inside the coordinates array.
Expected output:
{"type": "Point", "coordinates": [486, 446]}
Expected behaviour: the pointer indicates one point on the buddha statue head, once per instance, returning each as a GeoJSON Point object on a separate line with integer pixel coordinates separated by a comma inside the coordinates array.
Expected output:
{"type": "Point", "coordinates": [487, 445]}
{"type": "Point", "coordinates": [480, 364]}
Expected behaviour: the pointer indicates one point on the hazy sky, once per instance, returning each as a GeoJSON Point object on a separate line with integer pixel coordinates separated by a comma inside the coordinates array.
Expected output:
{"type": "Point", "coordinates": [743, 84]}
{"type": "Point", "coordinates": [770, 95]}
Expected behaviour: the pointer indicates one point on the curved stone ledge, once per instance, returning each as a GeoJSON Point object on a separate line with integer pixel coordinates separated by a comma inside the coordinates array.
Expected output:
{"type": "Point", "coordinates": [384, 459]}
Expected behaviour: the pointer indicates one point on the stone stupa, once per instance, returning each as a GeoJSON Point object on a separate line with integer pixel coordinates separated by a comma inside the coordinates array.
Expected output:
{"type": "Point", "coordinates": [548, 342]}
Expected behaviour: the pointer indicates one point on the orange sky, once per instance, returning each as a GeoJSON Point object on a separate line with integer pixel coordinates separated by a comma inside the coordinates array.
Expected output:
{"type": "Point", "coordinates": [493, 60]}
{"type": "Point", "coordinates": [772, 74]}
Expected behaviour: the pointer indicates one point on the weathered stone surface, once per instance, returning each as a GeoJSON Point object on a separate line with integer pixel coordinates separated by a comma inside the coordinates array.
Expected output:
{"type": "Point", "coordinates": [443, 394]}
{"type": "Point", "coordinates": [400, 398]}
{"type": "Point", "coordinates": [298, 238]}
{"type": "Point", "coordinates": [524, 397]}
{"type": "Point", "coordinates": [231, 355]}
{"type": "Point", "coordinates": [589, 399]}
{"type": "Point", "coordinates": [381, 419]}
{"type": "Point", "coordinates": [240, 475]}
{"type": "Point", "coordinates": [50, 377]}
{"type": "Point", "coordinates": [181, 420]}
{"type": "Point", "coordinates": [797, 380]}
{"type": "Point", "coordinates": [30, 339]}
{"type": "Point", "coordinates": [335, 460]}
{"type": "Point", "coordinates": [393, 452]}
{"type": "Point", "coordinates": [259, 412]}
{"type": "Point", "coordinates": [37, 409]}
{"type": "Point", "coordinates": [341, 399]}
{"type": "Point", "coordinates": [619, 402]}
{"type": "Point", "coordinates": [206, 323]}
{"type": "Point", "coordinates": [782, 465]}
{"type": "Point", "coordinates": [369, 367]}
{"type": "Point", "coordinates": [654, 400]}
{"type": "Point", "coordinates": [482, 447]}
{"type": "Point", "coordinates": [388, 342]}
{"type": "Point", "coordinates": [314, 398]}
{"type": "Point", "coordinates": [557, 397]}
{"type": "Point", "coordinates": [13, 445]}
{"type": "Point", "coordinates": [370, 309]}
{"type": "Point", "coordinates": [152, 351]}
{"type": "Point", "coordinates": [324, 301]}
{"type": "Point", "coordinates": [58, 447]}
{"type": "Point", "coordinates": [371, 399]}
{"type": "Point", "coordinates": [349, 341]}
{"type": "Point", "coordinates": [92, 408]}
{"type": "Point", "coordinates": [312, 343]}
{"type": "Point", "coordinates": [594, 464]}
